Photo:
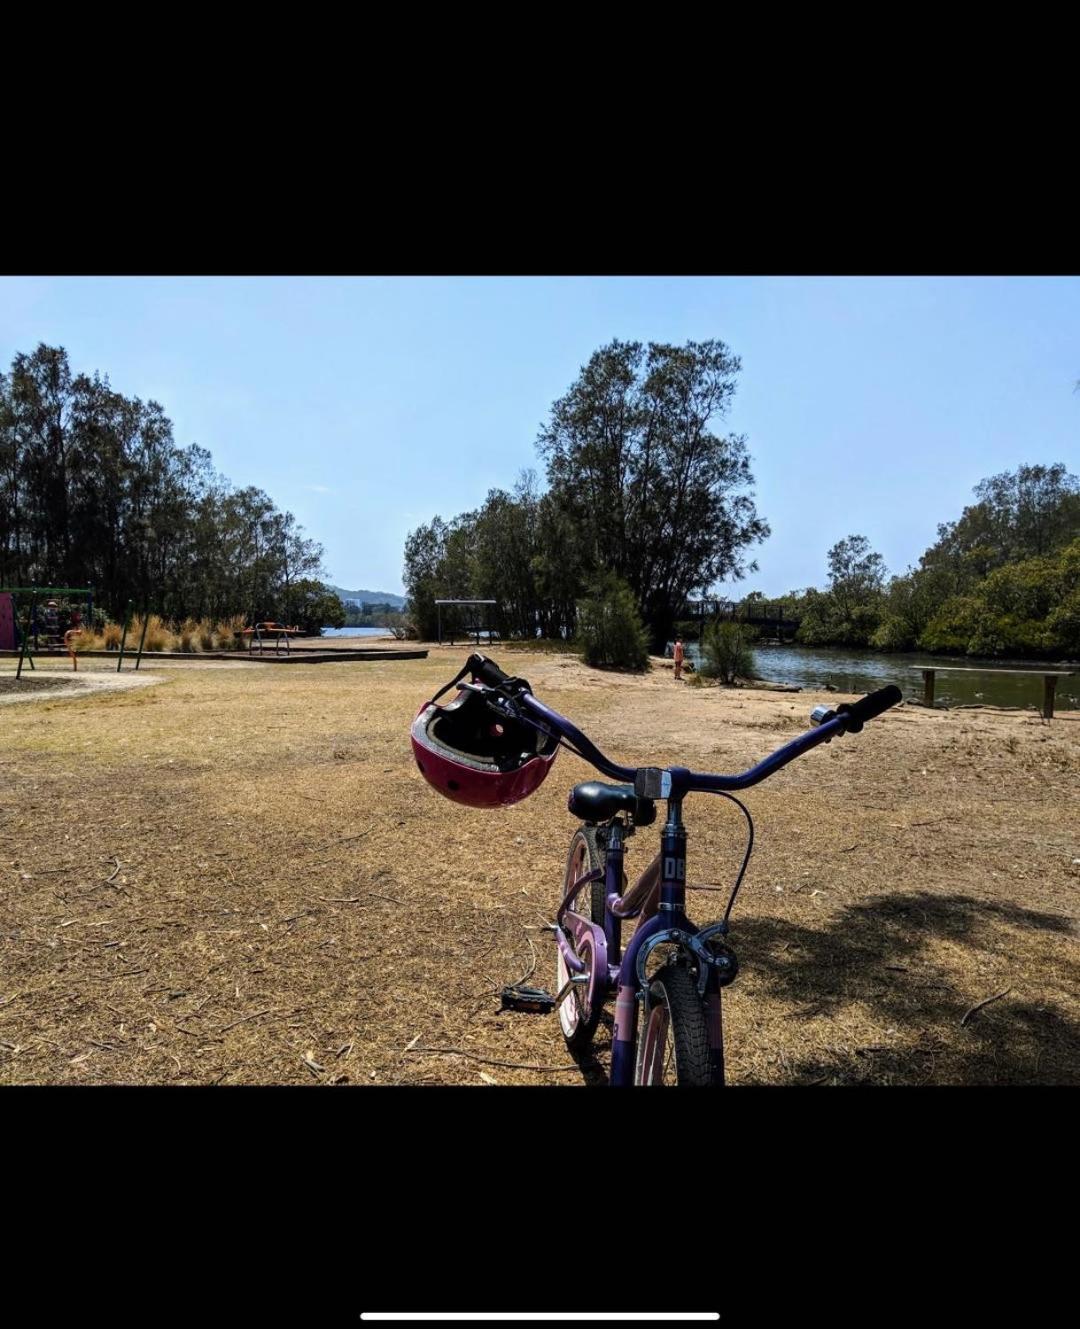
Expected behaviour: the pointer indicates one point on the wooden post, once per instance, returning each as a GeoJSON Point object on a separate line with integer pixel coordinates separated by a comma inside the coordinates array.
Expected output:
{"type": "Point", "coordinates": [1049, 684]}
{"type": "Point", "coordinates": [25, 644]}
{"type": "Point", "coordinates": [145, 624]}
{"type": "Point", "coordinates": [123, 635]}
{"type": "Point", "coordinates": [928, 687]}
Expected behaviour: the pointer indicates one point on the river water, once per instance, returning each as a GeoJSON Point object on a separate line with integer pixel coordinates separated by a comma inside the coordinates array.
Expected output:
{"type": "Point", "coordinates": [355, 632]}
{"type": "Point", "coordinates": [853, 671]}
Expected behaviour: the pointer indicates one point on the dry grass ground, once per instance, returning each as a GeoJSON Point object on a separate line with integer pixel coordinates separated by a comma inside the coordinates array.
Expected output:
{"type": "Point", "coordinates": [239, 875]}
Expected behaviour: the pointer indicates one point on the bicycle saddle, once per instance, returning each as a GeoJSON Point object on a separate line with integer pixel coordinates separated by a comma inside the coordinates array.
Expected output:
{"type": "Point", "coordinates": [595, 801]}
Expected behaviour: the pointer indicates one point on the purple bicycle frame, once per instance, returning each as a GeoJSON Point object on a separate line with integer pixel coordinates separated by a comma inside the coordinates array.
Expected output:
{"type": "Point", "coordinates": [663, 910]}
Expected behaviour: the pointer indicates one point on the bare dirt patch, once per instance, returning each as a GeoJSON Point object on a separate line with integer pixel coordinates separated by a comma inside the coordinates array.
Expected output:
{"type": "Point", "coordinates": [241, 877]}
{"type": "Point", "coordinates": [57, 685]}
{"type": "Point", "coordinates": [32, 685]}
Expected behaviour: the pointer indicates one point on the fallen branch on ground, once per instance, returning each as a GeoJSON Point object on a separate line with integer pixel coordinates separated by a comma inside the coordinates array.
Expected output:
{"type": "Point", "coordinates": [269, 1011]}
{"type": "Point", "coordinates": [980, 1004]}
{"type": "Point", "coordinates": [492, 1061]}
{"type": "Point", "coordinates": [345, 839]}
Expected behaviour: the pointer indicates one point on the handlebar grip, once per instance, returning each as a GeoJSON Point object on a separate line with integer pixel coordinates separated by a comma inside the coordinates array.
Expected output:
{"type": "Point", "coordinates": [487, 671]}
{"type": "Point", "coordinates": [866, 708]}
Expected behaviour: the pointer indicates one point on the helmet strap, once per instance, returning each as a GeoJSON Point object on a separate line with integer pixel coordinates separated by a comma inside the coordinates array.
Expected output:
{"type": "Point", "coordinates": [455, 680]}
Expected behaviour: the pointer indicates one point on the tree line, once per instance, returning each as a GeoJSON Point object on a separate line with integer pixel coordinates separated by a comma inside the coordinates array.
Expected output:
{"type": "Point", "coordinates": [640, 487]}
{"type": "Point", "coordinates": [1003, 579]}
{"type": "Point", "coordinates": [644, 493]}
{"type": "Point", "coordinates": [94, 491]}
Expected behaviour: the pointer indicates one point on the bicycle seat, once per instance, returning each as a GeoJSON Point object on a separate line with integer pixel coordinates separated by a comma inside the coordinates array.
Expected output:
{"type": "Point", "coordinates": [596, 801]}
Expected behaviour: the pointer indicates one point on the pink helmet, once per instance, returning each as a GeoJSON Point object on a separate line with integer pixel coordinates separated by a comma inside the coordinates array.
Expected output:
{"type": "Point", "coordinates": [473, 756]}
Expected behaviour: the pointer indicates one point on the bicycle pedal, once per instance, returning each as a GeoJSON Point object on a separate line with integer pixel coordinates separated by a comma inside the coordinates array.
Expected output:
{"type": "Point", "coordinates": [532, 1000]}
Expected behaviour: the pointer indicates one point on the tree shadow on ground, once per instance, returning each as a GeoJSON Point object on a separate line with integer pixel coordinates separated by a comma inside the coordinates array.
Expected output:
{"type": "Point", "coordinates": [919, 962]}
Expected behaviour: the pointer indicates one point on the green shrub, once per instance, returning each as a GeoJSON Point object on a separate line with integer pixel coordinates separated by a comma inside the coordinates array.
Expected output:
{"type": "Point", "coordinates": [894, 634]}
{"type": "Point", "coordinates": [726, 652]}
{"type": "Point", "coordinates": [609, 627]}
{"type": "Point", "coordinates": [1064, 624]}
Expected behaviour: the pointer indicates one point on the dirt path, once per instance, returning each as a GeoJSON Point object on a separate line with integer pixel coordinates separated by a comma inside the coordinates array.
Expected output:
{"type": "Point", "coordinates": [60, 684]}
{"type": "Point", "coordinates": [241, 876]}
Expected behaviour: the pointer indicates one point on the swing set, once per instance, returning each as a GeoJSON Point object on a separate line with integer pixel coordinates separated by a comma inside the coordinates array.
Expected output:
{"type": "Point", "coordinates": [44, 621]}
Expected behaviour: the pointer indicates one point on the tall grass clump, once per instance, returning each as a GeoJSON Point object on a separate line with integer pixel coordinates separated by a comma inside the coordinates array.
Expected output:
{"type": "Point", "coordinates": [188, 635]}
{"type": "Point", "coordinates": [229, 633]}
{"type": "Point", "coordinates": [88, 641]}
{"type": "Point", "coordinates": [158, 636]}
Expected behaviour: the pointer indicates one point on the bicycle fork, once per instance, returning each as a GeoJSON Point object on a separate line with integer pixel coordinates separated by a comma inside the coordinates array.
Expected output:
{"type": "Point", "coordinates": [716, 964]}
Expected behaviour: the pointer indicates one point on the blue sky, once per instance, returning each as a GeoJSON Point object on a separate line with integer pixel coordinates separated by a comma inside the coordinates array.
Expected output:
{"type": "Point", "coordinates": [367, 405]}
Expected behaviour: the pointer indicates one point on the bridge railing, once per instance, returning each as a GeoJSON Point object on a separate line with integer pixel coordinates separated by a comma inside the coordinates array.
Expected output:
{"type": "Point", "coordinates": [768, 612]}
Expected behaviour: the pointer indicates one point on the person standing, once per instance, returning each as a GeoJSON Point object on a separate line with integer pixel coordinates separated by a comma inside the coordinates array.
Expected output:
{"type": "Point", "coordinates": [678, 654]}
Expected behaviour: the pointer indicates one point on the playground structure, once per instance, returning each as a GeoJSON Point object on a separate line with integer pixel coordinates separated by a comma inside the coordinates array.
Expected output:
{"type": "Point", "coordinates": [18, 636]}
{"type": "Point", "coordinates": [47, 624]}
{"type": "Point", "coordinates": [43, 619]}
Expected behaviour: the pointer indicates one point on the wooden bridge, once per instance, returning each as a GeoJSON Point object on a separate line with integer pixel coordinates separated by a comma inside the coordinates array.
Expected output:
{"type": "Point", "coordinates": [772, 617]}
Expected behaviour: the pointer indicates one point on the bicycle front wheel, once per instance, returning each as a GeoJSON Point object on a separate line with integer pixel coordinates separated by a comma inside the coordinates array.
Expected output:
{"type": "Point", "coordinates": [673, 1039]}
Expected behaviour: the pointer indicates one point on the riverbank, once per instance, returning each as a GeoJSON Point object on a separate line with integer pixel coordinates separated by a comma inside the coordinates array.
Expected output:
{"type": "Point", "coordinates": [961, 681]}
{"type": "Point", "coordinates": [239, 876]}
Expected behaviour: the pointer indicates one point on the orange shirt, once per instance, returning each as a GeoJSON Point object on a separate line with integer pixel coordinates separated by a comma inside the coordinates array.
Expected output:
{"type": "Point", "coordinates": [678, 652]}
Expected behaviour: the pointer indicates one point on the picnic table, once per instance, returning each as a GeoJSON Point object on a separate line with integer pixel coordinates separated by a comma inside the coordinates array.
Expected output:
{"type": "Point", "coordinates": [261, 632]}
{"type": "Point", "coordinates": [1049, 678]}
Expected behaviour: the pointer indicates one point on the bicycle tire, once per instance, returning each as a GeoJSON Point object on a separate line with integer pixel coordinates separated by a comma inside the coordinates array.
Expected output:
{"type": "Point", "coordinates": [585, 847]}
{"type": "Point", "coordinates": [674, 1037]}
{"type": "Point", "coordinates": [576, 1018]}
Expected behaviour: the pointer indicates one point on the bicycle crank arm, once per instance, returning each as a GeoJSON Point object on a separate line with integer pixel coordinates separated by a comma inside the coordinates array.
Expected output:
{"type": "Point", "coordinates": [573, 981]}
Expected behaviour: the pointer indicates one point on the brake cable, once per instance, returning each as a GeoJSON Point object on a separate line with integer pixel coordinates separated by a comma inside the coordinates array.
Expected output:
{"type": "Point", "coordinates": [746, 856]}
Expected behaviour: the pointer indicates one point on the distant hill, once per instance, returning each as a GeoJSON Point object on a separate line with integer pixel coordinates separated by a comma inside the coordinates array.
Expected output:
{"type": "Point", "coordinates": [369, 597]}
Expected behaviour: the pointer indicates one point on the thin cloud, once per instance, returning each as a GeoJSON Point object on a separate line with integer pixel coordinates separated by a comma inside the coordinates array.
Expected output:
{"type": "Point", "coordinates": [319, 489]}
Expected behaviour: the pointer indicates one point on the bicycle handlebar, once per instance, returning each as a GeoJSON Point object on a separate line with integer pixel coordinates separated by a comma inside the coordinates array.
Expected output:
{"type": "Point", "coordinates": [866, 708]}
{"type": "Point", "coordinates": [849, 717]}
{"type": "Point", "coordinates": [487, 670]}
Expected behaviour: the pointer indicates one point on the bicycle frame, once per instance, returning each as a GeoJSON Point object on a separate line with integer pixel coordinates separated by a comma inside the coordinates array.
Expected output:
{"type": "Point", "coordinates": [660, 903]}
{"type": "Point", "coordinates": [659, 895]}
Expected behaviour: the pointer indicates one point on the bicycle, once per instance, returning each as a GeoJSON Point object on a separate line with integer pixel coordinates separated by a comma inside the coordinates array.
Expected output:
{"type": "Point", "coordinates": [668, 1023]}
